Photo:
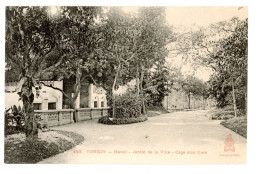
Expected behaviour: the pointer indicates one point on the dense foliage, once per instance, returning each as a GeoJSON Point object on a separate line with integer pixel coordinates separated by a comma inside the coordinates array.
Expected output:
{"type": "Point", "coordinates": [127, 106]}
{"type": "Point", "coordinates": [229, 81]}
{"type": "Point", "coordinates": [14, 120]}
{"type": "Point", "coordinates": [223, 48]}
{"type": "Point", "coordinates": [132, 45]}
{"type": "Point", "coordinates": [127, 110]}
{"type": "Point", "coordinates": [156, 86]}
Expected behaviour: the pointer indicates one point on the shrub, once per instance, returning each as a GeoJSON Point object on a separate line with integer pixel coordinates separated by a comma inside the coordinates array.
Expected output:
{"type": "Point", "coordinates": [126, 120]}
{"type": "Point", "coordinates": [228, 108]}
{"type": "Point", "coordinates": [15, 120]}
{"type": "Point", "coordinates": [218, 114]}
{"type": "Point", "coordinates": [238, 125]}
{"type": "Point", "coordinates": [225, 117]}
{"type": "Point", "coordinates": [127, 106]}
{"type": "Point", "coordinates": [224, 114]}
{"type": "Point", "coordinates": [128, 110]}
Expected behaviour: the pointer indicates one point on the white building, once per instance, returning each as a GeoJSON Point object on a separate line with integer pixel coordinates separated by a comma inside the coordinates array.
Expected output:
{"type": "Point", "coordinates": [90, 96]}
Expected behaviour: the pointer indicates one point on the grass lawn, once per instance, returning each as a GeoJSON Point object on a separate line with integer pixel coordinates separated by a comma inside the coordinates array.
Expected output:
{"type": "Point", "coordinates": [18, 150]}
{"type": "Point", "coordinates": [238, 125]}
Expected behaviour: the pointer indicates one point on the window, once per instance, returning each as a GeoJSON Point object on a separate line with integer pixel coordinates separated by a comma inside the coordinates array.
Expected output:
{"type": "Point", "coordinates": [95, 104]}
{"type": "Point", "coordinates": [102, 104]}
{"type": "Point", "coordinates": [51, 106]}
{"type": "Point", "coordinates": [37, 106]}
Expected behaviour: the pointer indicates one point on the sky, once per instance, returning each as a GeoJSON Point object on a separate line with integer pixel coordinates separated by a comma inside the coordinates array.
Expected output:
{"type": "Point", "coordinates": [201, 16]}
{"type": "Point", "coordinates": [192, 17]}
{"type": "Point", "coordinates": [189, 17]}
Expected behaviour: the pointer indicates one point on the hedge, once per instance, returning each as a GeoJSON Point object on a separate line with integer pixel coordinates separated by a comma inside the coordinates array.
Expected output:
{"type": "Point", "coordinates": [127, 106]}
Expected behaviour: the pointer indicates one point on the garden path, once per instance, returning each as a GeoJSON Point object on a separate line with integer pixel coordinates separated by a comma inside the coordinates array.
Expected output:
{"type": "Point", "coordinates": [187, 137]}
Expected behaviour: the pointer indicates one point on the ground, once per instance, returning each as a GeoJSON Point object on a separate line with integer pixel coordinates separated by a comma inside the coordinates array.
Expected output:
{"type": "Point", "coordinates": [179, 138]}
{"type": "Point", "coordinates": [19, 150]}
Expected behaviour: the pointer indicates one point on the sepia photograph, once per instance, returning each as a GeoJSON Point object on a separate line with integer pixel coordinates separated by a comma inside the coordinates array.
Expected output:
{"type": "Point", "coordinates": [126, 85]}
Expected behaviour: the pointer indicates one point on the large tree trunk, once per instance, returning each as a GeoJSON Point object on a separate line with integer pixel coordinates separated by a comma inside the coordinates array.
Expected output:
{"type": "Point", "coordinates": [113, 92]}
{"type": "Point", "coordinates": [141, 89]}
{"type": "Point", "coordinates": [77, 88]}
{"type": "Point", "coordinates": [73, 106]}
{"type": "Point", "coordinates": [27, 97]}
{"type": "Point", "coordinates": [26, 94]}
{"type": "Point", "coordinates": [137, 82]}
{"type": "Point", "coordinates": [189, 100]}
{"type": "Point", "coordinates": [113, 103]}
{"type": "Point", "coordinates": [194, 103]}
{"type": "Point", "coordinates": [204, 103]}
{"type": "Point", "coordinates": [246, 102]}
{"type": "Point", "coordinates": [234, 97]}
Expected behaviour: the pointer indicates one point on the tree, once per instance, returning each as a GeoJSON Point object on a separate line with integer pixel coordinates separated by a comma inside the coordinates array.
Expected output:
{"type": "Point", "coordinates": [156, 86]}
{"type": "Point", "coordinates": [231, 61]}
{"type": "Point", "coordinates": [223, 48]}
{"type": "Point", "coordinates": [218, 91]}
{"type": "Point", "coordinates": [117, 51]}
{"type": "Point", "coordinates": [32, 38]}
{"type": "Point", "coordinates": [132, 45]}
{"type": "Point", "coordinates": [80, 36]}
{"type": "Point", "coordinates": [193, 86]}
{"type": "Point", "coordinates": [153, 36]}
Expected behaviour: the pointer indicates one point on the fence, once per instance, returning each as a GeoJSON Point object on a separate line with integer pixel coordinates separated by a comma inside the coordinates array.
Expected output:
{"type": "Point", "coordinates": [65, 116]}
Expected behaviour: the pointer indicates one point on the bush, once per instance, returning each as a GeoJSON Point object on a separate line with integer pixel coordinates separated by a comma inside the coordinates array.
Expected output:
{"type": "Point", "coordinates": [128, 110]}
{"type": "Point", "coordinates": [228, 108]}
{"type": "Point", "coordinates": [219, 114]}
{"type": "Point", "coordinates": [127, 106]}
{"type": "Point", "coordinates": [238, 125]}
{"type": "Point", "coordinates": [225, 117]}
{"type": "Point", "coordinates": [117, 121]}
{"type": "Point", "coordinates": [224, 114]}
{"type": "Point", "coordinates": [15, 120]}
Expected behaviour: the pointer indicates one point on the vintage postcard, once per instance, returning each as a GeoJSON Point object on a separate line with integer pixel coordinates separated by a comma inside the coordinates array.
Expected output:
{"type": "Point", "coordinates": [126, 85]}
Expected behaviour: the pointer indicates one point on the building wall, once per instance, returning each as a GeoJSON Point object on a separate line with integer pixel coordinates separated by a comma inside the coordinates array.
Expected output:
{"type": "Point", "coordinates": [97, 97]}
{"type": "Point", "coordinates": [90, 96]}
{"type": "Point", "coordinates": [46, 95]}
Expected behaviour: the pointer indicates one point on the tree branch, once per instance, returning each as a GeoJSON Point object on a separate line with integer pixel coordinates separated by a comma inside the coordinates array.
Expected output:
{"type": "Point", "coordinates": [51, 67]}
{"type": "Point", "coordinates": [43, 58]}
